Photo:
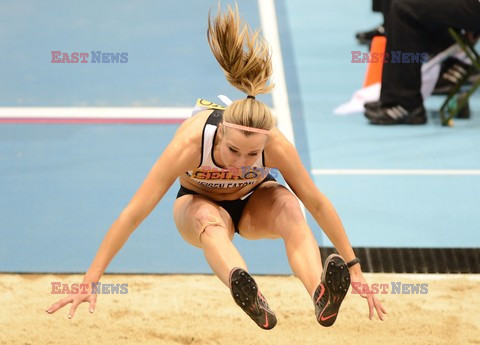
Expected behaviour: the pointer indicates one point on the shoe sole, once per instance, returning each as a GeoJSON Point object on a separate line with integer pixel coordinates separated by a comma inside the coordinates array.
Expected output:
{"type": "Point", "coordinates": [336, 278]}
{"type": "Point", "coordinates": [245, 293]}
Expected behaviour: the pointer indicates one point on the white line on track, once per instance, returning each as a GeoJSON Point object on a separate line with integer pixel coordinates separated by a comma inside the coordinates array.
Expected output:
{"type": "Point", "coordinates": [398, 172]}
{"type": "Point", "coordinates": [268, 18]}
{"type": "Point", "coordinates": [95, 112]}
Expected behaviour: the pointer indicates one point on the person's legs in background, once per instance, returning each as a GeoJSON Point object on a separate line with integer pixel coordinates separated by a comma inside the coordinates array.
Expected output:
{"type": "Point", "coordinates": [382, 6]}
{"type": "Point", "coordinates": [413, 26]}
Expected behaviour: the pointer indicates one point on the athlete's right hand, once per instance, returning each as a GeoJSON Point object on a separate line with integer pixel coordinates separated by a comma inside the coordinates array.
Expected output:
{"type": "Point", "coordinates": [75, 299]}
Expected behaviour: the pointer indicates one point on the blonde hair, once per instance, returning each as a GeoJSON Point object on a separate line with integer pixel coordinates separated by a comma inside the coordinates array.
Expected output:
{"type": "Point", "coordinates": [245, 58]}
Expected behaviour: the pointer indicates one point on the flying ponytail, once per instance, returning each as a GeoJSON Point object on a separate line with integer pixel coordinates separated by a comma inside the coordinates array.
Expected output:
{"type": "Point", "coordinates": [246, 61]}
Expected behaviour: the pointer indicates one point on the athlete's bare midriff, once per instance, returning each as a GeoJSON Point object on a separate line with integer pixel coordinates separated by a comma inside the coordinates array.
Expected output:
{"type": "Point", "coordinates": [217, 194]}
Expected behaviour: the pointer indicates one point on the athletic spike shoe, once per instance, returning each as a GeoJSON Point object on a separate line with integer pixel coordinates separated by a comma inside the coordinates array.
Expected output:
{"type": "Point", "coordinates": [332, 290]}
{"type": "Point", "coordinates": [246, 295]}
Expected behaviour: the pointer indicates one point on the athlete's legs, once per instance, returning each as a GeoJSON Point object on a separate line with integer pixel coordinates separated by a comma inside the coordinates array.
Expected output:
{"type": "Point", "coordinates": [274, 212]}
{"type": "Point", "coordinates": [206, 225]}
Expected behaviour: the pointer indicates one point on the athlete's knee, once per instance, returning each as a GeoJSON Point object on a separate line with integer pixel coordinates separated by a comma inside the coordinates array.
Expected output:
{"type": "Point", "coordinates": [289, 211]}
{"type": "Point", "coordinates": [209, 224]}
{"type": "Point", "coordinates": [213, 231]}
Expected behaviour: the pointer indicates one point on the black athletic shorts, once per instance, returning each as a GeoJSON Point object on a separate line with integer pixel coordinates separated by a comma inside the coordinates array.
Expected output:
{"type": "Point", "coordinates": [233, 207]}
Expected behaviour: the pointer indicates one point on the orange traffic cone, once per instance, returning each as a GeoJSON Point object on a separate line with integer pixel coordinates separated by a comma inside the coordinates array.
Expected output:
{"type": "Point", "coordinates": [374, 69]}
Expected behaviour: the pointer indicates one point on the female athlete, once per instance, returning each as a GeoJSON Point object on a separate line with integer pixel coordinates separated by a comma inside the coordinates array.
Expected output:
{"type": "Point", "coordinates": [223, 160]}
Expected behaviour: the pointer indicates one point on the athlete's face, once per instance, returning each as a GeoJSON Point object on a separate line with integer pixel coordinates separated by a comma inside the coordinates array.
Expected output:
{"type": "Point", "coordinates": [239, 151]}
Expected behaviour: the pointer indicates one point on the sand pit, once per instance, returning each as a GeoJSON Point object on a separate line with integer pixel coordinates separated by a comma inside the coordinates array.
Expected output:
{"type": "Point", "coordinates": [196, 309]}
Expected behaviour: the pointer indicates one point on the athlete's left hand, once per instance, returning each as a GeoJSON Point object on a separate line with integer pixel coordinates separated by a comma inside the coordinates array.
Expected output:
{"type": "Point", "coordinates": [359, 283]}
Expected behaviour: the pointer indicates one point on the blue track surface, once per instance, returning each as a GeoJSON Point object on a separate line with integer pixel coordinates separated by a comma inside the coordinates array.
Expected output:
{"type": "Point", "coordinates": [62, 186]}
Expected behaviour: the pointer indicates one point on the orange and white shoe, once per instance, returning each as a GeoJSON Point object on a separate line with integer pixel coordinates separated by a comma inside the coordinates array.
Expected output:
{"type": "Point", "coordinates": [332, 290]}
{"type": "Point", "coordinates": [246, 295]}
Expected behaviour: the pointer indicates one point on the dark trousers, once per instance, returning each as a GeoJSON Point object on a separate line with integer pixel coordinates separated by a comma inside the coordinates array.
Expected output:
{"type": "Point", "coordinates": [418, 26]}
{"type": "Point", "coordinates": [382, 6]}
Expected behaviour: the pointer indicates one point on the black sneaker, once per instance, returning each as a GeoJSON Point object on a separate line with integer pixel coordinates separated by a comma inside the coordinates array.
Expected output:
{"type": "Point", "coordinates": [452, 72]}
{"type": "Point", "coordinates": [246, 295]}
{"type": "Point", "coordinates": [366, 37]}
{"type": "Point", "coordinates": [372, 105]}
{"type": "Point", "coordinates": [332, 290]}
{"type": "Point", "coordinates": [395, 115]}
